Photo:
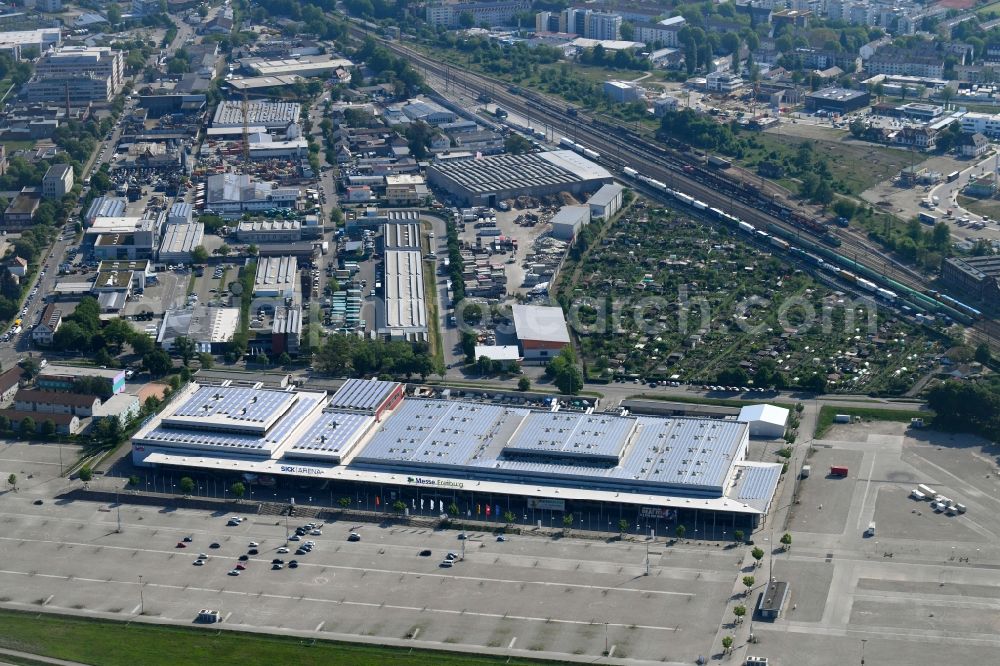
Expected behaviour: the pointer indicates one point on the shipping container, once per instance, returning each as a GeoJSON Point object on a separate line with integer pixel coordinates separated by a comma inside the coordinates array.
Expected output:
{"type": "Point", "coordinates": [926, 490]}
{"type": "Point", "coordinates": [837, 470]}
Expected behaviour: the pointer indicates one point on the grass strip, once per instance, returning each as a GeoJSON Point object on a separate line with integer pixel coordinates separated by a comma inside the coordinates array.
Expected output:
{"type": "Point", "coordinates": [111, 643]}
{"type": "Point", "coordinates": [828, 412]}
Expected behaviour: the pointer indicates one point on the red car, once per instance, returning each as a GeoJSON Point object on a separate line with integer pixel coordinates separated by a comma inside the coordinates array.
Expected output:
{"type": "Point", "coordinates": [241, 567]}
{"type": "Point", "coordinates": [181, 544]}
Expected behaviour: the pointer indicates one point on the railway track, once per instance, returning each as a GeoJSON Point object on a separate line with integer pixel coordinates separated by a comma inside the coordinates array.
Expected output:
{"type": "Point", "coordinates": [620, 146]}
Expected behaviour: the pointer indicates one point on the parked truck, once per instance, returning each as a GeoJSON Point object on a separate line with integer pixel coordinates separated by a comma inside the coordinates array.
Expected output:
{"type": "Point", "coordinates": [838, 470]}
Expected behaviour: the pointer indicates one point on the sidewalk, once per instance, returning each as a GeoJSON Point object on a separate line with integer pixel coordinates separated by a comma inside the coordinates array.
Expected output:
{"type": "Point", "coordinates": [34, 657]}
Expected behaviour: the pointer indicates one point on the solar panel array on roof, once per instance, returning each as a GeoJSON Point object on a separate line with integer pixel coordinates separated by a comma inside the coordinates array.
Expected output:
{"type": "Point", "coordinates": [362, 394]}
{"type": "Point", "coordinates": [220, 407]}
{"type": "Point", "coordinates": [685, 455]}
{"type": "Point", "coordinates": [437, 432]}
{"type": "Point", "coordinates": [757, 484]}
{"type": "Point", "coordinates": [563, 434]}
{"type": "Point", "coordinates": [331, 436]}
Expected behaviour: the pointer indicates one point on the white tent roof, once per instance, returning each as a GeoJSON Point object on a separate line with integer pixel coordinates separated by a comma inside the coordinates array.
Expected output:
{"type": "Point", "coordinates": [765, 413]}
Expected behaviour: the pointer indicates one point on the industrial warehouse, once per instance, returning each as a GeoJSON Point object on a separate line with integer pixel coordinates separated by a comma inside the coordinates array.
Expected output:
{"type": "Point", "coordinates": [487, 180]}
{"type": "Point", "coordinates": [368, 441]}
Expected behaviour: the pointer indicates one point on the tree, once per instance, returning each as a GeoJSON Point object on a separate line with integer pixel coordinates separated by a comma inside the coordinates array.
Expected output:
{"type": "Point", "coordinates": [114, 13]}
{"type": "Point", "coordinates": [738, 535]}
{"type": "Point", "coordinates": [524, 384]}
{"type": "Point", "coordinates": [141, 343]}
{"type": "Point", "coordinates": [739, 612]}
{"type": "Point", "coordinates": [86, 474]}
{"type": "Point", "coordinates": [983, 354]}
{"type": "Point", "coordinates": [484, 366]}
{"type": "Point", "coordinates": [224, 250]}
{"type": "Point", "coordinates": [786, 540]}
{"type": "Point", "coordinates": [28, 427]}
{"type": "Point", "coordinates": [344, 502]}
{"type": "Point", "coordinates": [238, 490]}
{"type": "Point", "coordinates": [515, 144]}
{"type": "Point", "coordinates": [49, 427]}
{"type": "Point", "coordinates": [12, 482]}
{"type": "Point", "coordinates": [727, 643]}
{"type": "Point", "coordinates": [31, 367]}
{"type": "Point", "coordinates": [509, 517]}
{"type": "Point", "coordinates": [466, 20]}
{"type": "Point", "coordinates": [680, 531]}
{"type": "Point", "coordinates": [567, 521]}
{"type": "Point", "coordinates": [623, 527]}
{"type": "Point", "coordinates": [757, 554]}
{"type": "Point", "coordinates": [133, 480]}
{"type": "Point", "coordinates": [453, 510]}
{"type": "Point", "coordinates": [253, 250]}
{"type": "Point", "coordinates": [186, 485]}
{"type": "Point", "coordinates": [199, 255]}
{"type": "Point", "coordinates": [185, 348]}
{"type": "Point", "coordinates": [569, 380]}
{"type": "Point", "coordinates": [399, 506]}
{"type": "Point", "coordinates": [748, 582]}
{"type": "Point", "coordinates": [206, 360]}
{"type": "Point", "coordinates": [157, 362]}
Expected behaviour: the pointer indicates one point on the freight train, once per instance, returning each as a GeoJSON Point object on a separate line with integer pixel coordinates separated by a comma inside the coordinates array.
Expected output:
{"type": "Point", "coordinates": [880, 287]}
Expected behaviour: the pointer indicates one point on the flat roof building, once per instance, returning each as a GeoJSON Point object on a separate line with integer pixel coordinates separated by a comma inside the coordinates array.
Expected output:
{"type": "Point", "coordinates": [837, 100]}
{"type": "Point", "coordinates": [541, 331]}
{"type": "Point", "coordinates": [209, 328]}
{"type": "Point", "coordinates": [54, 377]}
{"type": "Point", "coordinates": [466, 452]}
{"type": "Point", "coordinates": [491, 179]}
{"type": "Point", "coordinates": [976, 278]}
{"type": "Point", "coordinates": [231, 194]}
{"type": "Point", "coordinates": [308, 66]}
{"type": "Point", "coordinates": [58, 181]}
{"type": "Point", "coordinates": [568, 222]}
{"type": "Point", "coordinates": [607, 201]}
{"type": "Point", "coordinates": [405, 312]}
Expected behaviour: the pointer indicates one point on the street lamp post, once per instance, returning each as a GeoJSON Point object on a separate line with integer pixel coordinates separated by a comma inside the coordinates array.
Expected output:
{"type": "Point", "coordinates": [142, 605]}
{"type": "Point", "coordinates": [863, 641]}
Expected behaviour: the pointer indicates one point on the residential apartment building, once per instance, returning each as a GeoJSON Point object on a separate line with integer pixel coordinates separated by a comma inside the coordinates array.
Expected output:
{"type": "Point", "coordinates": [53, 402]}
{"type": "Point", "coordinates": [895, 61]}
{"type": "Point", "coordinates": [449, 14]}
{"type": "Point", "coordinates": [987, 124]}
{"type": "Point", "coordinates": [586, 23]}
{"type": "Point", "coordinates": [652, 33]}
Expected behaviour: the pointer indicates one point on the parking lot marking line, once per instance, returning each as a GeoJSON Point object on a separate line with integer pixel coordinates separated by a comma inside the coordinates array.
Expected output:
{"type": "Point", "coordinates": [320, 625]}
{"type": "Point", "coordinates": [344, 602]}
{"type": "Point", "coordinates": [33, 462]}
{"type": "Point", "coordinates": [921, 635]}
{"type": "Point", "coordinates": [136, 609]}
{"type": "Point", "coordinates": [510, 646]}
{"type": "Point", "coordinates": [864, 500]}
{"type": "Point", "coordinates": [385, 571]}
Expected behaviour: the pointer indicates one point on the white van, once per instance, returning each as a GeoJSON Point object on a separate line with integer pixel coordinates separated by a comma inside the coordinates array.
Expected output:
{"type": "Point", "coordinates": [917, 495]}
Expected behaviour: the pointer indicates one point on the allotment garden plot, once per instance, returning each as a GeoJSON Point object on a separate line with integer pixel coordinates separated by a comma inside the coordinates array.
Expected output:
{"type": "Point", "coordinates": [661, 296]}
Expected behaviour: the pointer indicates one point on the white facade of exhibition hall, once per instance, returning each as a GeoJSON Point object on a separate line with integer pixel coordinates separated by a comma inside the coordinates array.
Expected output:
{"type": "Point", "coordinates": [460, 447]}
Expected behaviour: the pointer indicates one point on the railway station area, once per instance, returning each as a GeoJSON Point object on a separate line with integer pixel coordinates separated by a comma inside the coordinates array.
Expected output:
{"type": "Point", "coordinates": [433, 452]}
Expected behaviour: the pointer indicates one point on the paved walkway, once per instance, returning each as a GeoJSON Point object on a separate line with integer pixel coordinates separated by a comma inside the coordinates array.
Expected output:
{"type": "Point", "coordinates": [34, 657]}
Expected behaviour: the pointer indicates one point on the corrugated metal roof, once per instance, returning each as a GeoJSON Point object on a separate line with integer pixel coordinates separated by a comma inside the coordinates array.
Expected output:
{"type": "Point", "coordinates": [362, 394]}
